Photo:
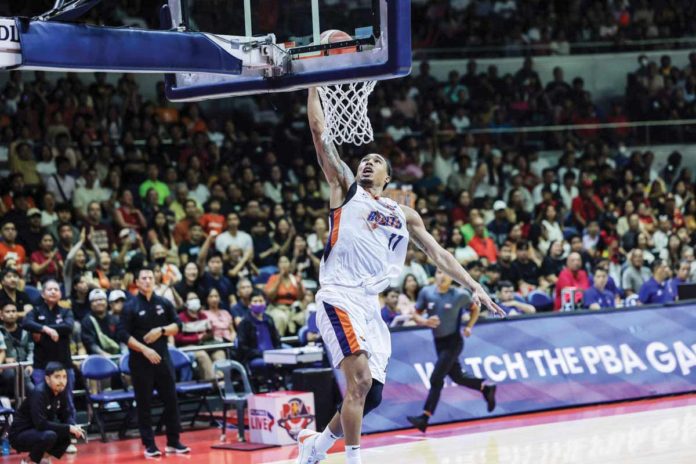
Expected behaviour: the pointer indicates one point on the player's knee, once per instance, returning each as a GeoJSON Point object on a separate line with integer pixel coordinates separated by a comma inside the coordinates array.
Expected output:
{"type": "Point", "coordinates": [360, 387]}
{"type": "Point", "coordinates": [374, 397]}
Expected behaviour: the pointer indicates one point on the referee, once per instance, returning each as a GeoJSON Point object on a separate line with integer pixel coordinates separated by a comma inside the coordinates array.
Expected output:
{"type": "Point", "coordinates": [146, 322]}
{"type": "Point", "coordinates": [440, 307]}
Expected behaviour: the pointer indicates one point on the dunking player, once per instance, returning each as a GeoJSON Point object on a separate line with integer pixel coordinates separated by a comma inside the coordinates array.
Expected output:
{"type": "Point", "coordinates": [444, 306]}
{"type": "Point", "coordinates": [366, 247]}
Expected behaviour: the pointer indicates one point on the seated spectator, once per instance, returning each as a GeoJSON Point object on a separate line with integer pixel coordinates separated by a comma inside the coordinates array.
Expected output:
{"type": "Point", "coordinates": [196, 329]}
{"type": "Point", "coordinates": [46, 262]}
{"type": "Point", "coordinates": [127, 216]}
{"type": "Point", "coordinates": [508, 303]}
{"type": "Point", "coordinates": [655, 290]}
{"type": "Point", "coordinates": [166, 290]}
{"type": "Point", "coordinates": [182, 229]}
{"type": "Point", "coordinates": [257, 332]}
{"type": "Point", "coordinates": [483, 245]}
{"type": "Point", "coordinates": [212, 220]}
{"type": "Point", "coordinates": [283, 289]}
{"type": "Point", "coordinates": [681, 277]}
{"type": "Point", "coordinates": [221, 319]}
{"type": "Point", "coordinates": [571, 276]}
{"type": "Point", "coordinates": [99, 327]}
{"type": "Point", "coordinates": [491, 279]}
{"type": "Point", "coordinates": [587, 206]}
{"type": "Point", "coordinates": [45, 422]}
{"type": "Point", "coordinates": [190, 282]}
{"type": "Point", "coordinates": [214, 276]}
{"type": "Point", "coordinates": [553, 262]}
{"type": "Point", "coordinates": [190, 249]}
{"type": "Point", "coordinates": [234, 236]}
{"type": "Point", "coordinates": [508, 272]}
{"type": "Point", "coordinates": [117, 298]}
{"type": "Point", "coordinates": [411, 267]}
{"type": "Point", "coordinates": [10, 250]}
{"type": "Point", "coordinates": [528, 271]}
{"type": "Point", "coordinates": [240, 308]}
{"type": "Point", "coordinates": [390, 309]}
{"type": "Point", "coordinates": [597, 296]}
{"type": "Point", "coordinates": [410, 289]}
{"type": "Point", "coordinates": [500, 226]}
{"type": "Point", "coordinates": [635, 274]}
{"type": "Point", "coordinates": [30, 238]}
{"type": "Point", "coordinates": [19, 348]}
{"type": "Point", "coordinates": [11, 294]}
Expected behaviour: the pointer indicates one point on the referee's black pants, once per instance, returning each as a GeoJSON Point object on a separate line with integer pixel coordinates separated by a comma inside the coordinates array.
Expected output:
{"type": "Point", "coordinates": [448, 350]}
{"type": "Point", "coordinates": [147, 377]}
{"type": "Point", "coordinates": [39, 442]}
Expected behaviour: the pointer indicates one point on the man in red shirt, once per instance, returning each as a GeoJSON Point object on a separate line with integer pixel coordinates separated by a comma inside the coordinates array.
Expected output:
{"type": "Point", "coordinates": [571, 276]}
{"type": "Point", "coordinates": [482, 245]}
{"type": "Point", "coordinates": [587, 206]}
{"type": "Point", "coordinates": [9, 249]}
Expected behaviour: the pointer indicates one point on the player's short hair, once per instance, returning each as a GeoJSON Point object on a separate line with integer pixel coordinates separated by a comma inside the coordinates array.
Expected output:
{"type": "Point", "coordinates": [601, 269]}
{"type": "Point", "coordinates": [256, 292]}
{"type": "Point", "coordinates": [143, 268]}
{"type": "Point", "coordinates": [505, 284]}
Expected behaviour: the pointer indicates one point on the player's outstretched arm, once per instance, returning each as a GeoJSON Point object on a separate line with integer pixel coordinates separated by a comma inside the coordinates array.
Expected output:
{"type": "Point", "coordinates": [337, 172]}
{"type": "Point", "coordinates": [444, 259]}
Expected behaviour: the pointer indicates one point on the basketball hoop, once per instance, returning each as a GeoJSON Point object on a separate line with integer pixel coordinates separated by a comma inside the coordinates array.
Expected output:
{"type": "Point", "coordinates": [345, 112]}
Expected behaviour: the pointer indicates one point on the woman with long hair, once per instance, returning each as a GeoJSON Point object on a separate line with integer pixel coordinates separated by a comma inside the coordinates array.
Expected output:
{"type": "Point", "coordinates": [409, 295]}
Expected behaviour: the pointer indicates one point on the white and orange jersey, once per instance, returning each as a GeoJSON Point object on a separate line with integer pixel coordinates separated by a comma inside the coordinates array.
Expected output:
{"type": "Point", "coordinates": [367, 243]}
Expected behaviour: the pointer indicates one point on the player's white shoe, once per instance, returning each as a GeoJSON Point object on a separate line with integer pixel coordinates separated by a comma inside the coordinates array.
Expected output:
{"type": "Point", "coordinates": [305, 444]}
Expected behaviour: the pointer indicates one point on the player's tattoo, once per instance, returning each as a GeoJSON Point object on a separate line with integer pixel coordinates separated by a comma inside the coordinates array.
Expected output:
{"type": "Point", "coordinates": [331, 161]}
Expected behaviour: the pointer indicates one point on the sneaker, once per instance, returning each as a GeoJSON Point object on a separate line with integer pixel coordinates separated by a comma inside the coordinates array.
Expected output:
{"type": "Point", "coordinates": [305, 444]}
{"type": "Point", "coordinates": [152, 451]}
{"type": "Point", "coordinates": [489, 394]}
{"type": "Point", "coordinates": [71, 449]}
{"type": "Point", "coordinates": [419, 422]}
{"type": "Point", "coordinates": [177, 448]}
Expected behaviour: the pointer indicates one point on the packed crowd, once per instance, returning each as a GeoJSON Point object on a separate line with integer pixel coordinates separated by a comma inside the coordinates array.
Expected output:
{"type": "Point", "coordinates": [231, 212]}
{"type": "Point", "coordinates": [517, 26]}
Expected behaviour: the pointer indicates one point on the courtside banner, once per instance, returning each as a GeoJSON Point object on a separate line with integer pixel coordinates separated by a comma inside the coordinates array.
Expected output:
{"type": "Point", "coordinates": [547, 362]}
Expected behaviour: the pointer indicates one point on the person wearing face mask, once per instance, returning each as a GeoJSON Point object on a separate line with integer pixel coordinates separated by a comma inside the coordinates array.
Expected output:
{"type": "Point", "coordinates": [257, 332]}
{"type": "Point", "coordinates": [196, 330]}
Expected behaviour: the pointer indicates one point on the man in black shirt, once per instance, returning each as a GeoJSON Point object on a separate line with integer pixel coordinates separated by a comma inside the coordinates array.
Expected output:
{"type": "Point", "coordinates": [527, 270]}
{"type": "Point", "coordinates": [9, 292]}
{"type": "Point", "coordinates": [52, 328]}
{"type": "Point", "coordinates": [43, 423]}
{"type": "Point", "coordinates": [146, 322]}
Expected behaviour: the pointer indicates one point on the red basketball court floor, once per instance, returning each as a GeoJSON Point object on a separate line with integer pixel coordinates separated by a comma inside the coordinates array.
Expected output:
{"type": "Point", "coordinates": [641, 432]}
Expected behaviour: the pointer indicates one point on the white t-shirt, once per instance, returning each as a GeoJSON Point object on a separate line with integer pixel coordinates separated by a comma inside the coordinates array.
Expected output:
{"type": "Point", "coordinates": [241, 239]}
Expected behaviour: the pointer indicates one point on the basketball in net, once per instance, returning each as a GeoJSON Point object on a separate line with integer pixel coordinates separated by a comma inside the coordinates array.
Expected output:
{"type": "Point", "coordinates": [345, 105]}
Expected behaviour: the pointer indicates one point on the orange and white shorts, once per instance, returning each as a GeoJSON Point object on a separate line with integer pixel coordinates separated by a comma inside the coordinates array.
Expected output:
{"type": "Point", "coordinates": [350, 321]}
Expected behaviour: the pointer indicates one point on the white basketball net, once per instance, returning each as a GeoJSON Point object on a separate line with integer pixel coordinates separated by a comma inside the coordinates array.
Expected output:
{"type": "Point", "coordinates": [345, 113]}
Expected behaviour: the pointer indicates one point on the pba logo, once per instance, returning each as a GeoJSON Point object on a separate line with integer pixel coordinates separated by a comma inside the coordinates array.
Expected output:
{"type": "Point", "coordinates": [260, 419]}
{"type": "Point", "coordinates": [295, 416]}
{"type": "Point", "coordinates": [379, 219]}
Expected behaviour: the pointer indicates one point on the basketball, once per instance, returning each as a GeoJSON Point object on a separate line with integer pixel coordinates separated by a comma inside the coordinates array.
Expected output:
{"type": "Point", "coordinates": [333, 36]}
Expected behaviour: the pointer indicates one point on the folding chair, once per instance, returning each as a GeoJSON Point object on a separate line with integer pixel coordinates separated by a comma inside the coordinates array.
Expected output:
{"type": "Point", "coordinates": [231, 395]}
{"type": "Point", "coordinates": [99, 368]}
{"type": "Point", "coordinates": [192, 391]}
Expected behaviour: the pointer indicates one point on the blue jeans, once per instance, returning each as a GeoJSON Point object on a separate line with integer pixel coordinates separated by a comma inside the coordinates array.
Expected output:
{"type": "Point", "coordinates": [38, 376]}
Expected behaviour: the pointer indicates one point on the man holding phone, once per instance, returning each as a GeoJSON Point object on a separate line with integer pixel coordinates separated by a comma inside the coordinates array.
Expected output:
{"type": "Point", "coordinates": [43, 425]}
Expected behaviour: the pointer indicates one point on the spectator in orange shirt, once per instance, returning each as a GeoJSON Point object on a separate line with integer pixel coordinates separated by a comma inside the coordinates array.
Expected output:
{"type": "Point", "coordinates": [213, 221]}
{"type": "Point", "coordinates": [283, 289]}
{"type": "Point", "coordinates": [9, 249]}
{"type": "Point", "coordinates": [181, 229]}
{"type": "Point", "coordinates": [482, 245]}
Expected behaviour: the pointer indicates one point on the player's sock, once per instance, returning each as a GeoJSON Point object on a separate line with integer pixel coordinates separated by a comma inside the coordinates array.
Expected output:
{"type": "Point", "coordinates": [353, 454]}
{"type": "Point", "coordinates": [325, 441]}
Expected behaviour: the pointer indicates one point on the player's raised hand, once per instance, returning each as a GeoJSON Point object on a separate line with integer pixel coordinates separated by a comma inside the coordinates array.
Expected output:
{"type": "Point", "coordinates": [482, 299]}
